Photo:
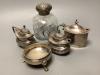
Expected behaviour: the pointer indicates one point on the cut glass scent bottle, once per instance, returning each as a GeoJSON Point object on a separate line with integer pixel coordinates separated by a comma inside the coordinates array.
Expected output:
{"type": "Point", "coordinates": [44, 22]}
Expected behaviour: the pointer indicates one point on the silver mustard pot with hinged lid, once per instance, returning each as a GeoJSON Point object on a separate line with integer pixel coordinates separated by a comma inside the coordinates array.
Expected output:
{"type": "Point", "coordinates": [23, 36]}
{"type": "Point", "coordinates": [77, 34]}
{"type": "Point", "coordinates": [59, 43]}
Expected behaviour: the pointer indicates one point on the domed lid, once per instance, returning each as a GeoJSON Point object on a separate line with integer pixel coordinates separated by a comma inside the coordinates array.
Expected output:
{"type": "Point", "coordinates": [58, 39]}
{"type": "Point", "coordinates": [43, 8]}
{"type": "Point", "coordinates": [22, 33]}
{"type": "Point", "coordinates": [59, 36]}
{"type": "Point", "coordinates": [76, 28]}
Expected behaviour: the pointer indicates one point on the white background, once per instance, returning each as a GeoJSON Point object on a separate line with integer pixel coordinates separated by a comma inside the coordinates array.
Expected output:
{"type": "Point", "coordinates": [85, 61]}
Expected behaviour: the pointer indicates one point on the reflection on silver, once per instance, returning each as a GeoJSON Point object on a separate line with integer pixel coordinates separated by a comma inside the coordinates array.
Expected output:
{"type": "Point", "coordinates": [37, 54]}
{"type": "Point", "coordinates": [77, 33]}
{"type": "Point", "coordinates": [59, 43]}
{"type": "Point", "coordinates": [23, 36]}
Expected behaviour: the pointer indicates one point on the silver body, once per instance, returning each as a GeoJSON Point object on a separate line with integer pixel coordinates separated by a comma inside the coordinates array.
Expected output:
{"type": "Point", "coordinates": [23, 44]}
{"type": "Point", "coordinates": [59, 43]}
{"type": "Point", "coordinates": [77, 34]}
{"type": "Point", "coordinates": [41, 60]}
{"type": "Point", "coordinates": [23, 36]}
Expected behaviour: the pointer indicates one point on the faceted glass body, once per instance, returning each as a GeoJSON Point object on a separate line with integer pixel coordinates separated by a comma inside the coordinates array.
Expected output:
{"type": "Point", "coordinates": [43, 25]}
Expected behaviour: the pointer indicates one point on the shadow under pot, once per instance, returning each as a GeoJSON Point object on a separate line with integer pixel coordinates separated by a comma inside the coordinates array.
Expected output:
{"type": "Point", "coordinates": [59, 43]}
{"type": "Point", "coordinates": [77, 34]}
{"type": "Point", "coordinates": [37, 54]}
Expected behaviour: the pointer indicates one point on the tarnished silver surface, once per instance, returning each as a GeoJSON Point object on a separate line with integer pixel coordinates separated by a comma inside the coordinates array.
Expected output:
{"type": "Point", "coordinates": [23, 36]}
{"type": "Point", "coordinates": [37, 54]}
{"type": "Point", "coordinates": [77, 34]}
{"type": "Point", "coordinates": [43, 8]}
{"type": "Point", "coordinates": [59, 43]}
{"type": "Point", "coordinates": [83, 62]}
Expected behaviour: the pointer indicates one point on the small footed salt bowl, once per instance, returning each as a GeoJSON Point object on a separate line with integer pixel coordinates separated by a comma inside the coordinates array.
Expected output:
{"type": "Point", "coordinates": [37, 54]}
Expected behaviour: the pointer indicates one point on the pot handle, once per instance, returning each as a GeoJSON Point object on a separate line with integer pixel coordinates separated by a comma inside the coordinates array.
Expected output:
{"type": "Point", "coordinates": [13, 28]}
{"type": "Point", "coordinates": [44, 65]}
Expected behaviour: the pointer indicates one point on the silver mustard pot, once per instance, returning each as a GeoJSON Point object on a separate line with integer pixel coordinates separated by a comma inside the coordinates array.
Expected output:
{"type": "Point", "coordinates": [37, 54]}
{"type": "Point", "coordinates": [77, 34]}
{"type": "Point", "coordinates": [59, 43]}
{"type": "Point", "coordinates": [23, 36]}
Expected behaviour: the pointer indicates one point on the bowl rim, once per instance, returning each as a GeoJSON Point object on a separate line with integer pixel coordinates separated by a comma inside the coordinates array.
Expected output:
{"type": "Point", "coordinates": [30, 47]}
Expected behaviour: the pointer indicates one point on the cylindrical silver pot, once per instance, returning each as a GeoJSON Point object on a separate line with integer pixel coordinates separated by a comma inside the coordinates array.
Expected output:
{"type": "Point", "coordinates": [77, 34]}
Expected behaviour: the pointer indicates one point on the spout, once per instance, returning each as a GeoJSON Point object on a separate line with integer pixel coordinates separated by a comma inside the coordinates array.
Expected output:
{"type": "Point", "coordinates": [68, 40]}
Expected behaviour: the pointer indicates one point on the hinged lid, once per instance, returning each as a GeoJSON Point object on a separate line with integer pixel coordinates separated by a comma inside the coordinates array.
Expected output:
{"type": "Point", "coordinates": [22, 33]}
{"type": "Point", "coordinates": [76, 29]}
{"type": "Point", "coordinates": [58, 38]}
